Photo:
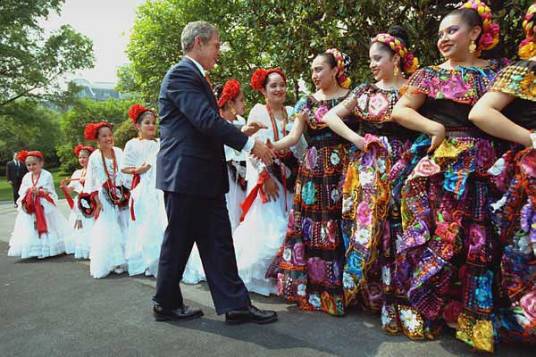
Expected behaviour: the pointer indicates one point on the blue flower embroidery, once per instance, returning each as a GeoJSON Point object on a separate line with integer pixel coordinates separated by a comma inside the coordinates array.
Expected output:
{"type": "Point", "coordinates": [309, 193]}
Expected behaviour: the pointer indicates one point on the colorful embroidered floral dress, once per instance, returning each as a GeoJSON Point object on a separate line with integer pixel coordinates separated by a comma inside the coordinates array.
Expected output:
{"type": "Point", "coordinates": [371, 215]}
{"type": "Point", "coordinates": [447, 257]}
{"type": "Point", "coordinates": [515, 213]}
{"type": "Point", "coordinates": [308, 267]}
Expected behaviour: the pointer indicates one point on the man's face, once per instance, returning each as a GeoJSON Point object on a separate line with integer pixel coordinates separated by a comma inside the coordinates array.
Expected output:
{"type": "Point", "coordinates": [209, 51]}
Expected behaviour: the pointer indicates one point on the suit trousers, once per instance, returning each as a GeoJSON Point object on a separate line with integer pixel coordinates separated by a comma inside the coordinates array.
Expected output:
{"type": "Point", "coordinates": [204, 221]}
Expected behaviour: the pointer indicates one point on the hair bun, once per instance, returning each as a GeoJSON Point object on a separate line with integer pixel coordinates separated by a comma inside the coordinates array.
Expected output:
{"type": "Point", "coordinates": [400, 33]}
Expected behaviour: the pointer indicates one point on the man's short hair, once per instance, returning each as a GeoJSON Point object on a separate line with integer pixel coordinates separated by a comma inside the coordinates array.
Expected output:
{"type": "Point", "coordinates": [194, 29]}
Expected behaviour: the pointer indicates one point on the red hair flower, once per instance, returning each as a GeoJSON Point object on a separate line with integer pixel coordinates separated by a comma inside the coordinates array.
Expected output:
{"type": "Point", "coordinates": [230, 91]}
{"type": "Point", "coordinates": [258, 79]}
{"type": "Point", "coordinates": [23, 155]}
{"type": "Point", "coordinates": [490, 30]}
{"type": "Point", "coordinates": [81, 147]}
{"type": "Point", "coordinates": [135, 111]}
{"type": "Point", "coordinates": [92, 129]}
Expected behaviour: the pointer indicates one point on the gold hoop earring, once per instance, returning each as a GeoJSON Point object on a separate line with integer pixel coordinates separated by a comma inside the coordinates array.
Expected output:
{"type": "Point", "coordinates": [472, 47]}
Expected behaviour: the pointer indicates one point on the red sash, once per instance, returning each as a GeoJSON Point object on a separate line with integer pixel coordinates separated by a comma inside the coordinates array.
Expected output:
{"type": "Point", "coordinates": [246, 205]}
{"type": "Point", "coordinates": [136, 178]}
{"type": "Point", "coordinates": [32, 205]}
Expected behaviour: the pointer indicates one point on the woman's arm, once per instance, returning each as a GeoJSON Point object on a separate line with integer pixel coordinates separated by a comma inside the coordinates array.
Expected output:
{"type": "Point", "coordinates": [335, 123]}
{"type": "Point", "coordinates": [294, 136]}
{"type": "Point", "coordinates": [486, 114]}
{"type": "Point", "coordinates": [405, 113]}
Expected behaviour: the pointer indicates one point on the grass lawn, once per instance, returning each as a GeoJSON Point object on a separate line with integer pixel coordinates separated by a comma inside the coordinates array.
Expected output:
{"type": "Point", "coordinates": [5, 187]}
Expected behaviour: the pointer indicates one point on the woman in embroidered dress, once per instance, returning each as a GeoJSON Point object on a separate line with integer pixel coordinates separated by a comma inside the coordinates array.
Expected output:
{"type": "Point", "coordinates": [232, 107]}
{"type": "Point", "coordinates": [270, 189]}
{"type": "Point", "coordinates": [148, 219]}
{"type": "Point", "coordinates": [40, 229]}
{"type": "Point", "coordinates": [78, 242]}
{"type": "Point", "coordinates": [446, 257]}
{"type": "Point", "coordinates": [309, 264]}
{"type": "Point", "coordinates": [105, 182]}
{"type": "Point", "coordinates": [508, 112]}
{"type": "Point", "coordinates": [371, 191]}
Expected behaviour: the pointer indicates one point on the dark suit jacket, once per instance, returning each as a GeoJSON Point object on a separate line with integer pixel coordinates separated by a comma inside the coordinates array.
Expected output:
{"type": "Point", "coordinates": [15, 173]}
{"type": "Point", "coordinates": [192, 134]}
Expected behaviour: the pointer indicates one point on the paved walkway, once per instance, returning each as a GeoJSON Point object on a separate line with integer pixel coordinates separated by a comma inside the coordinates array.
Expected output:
{"type": "Point", "coordinates": [52, 307]}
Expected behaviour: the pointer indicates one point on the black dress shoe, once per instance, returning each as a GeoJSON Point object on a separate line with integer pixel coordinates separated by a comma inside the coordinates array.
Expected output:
{"type": "Point", "coordinates": [182, 313]}
{"type": "Point", "coordinates": [251, 314]}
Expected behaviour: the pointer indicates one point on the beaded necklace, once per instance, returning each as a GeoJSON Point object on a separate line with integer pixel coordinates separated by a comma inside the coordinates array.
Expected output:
{"type": "Point", "coordinates": [114, 198]}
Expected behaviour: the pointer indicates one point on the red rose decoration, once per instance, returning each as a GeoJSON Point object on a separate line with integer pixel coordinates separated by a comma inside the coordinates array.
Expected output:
{"type": "Point", "coordinates": [135, 111]}
{"type": "Point", "coordinates": [92, 129]}
{"type": "Point", "coordinates": [231, 90]}
{"type": "Point", "coordinates": [259, 77]}
{"type": "Point", "coordinates": [81, 147]}
{"type": "Point", "coordinates": [22, 155]}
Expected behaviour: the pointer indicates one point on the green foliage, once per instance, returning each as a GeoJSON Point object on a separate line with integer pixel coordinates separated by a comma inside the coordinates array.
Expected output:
{"type": "Point", "coordinates": [289, 33]}
{"type": "Point", "coordinates": [85, 111]}
{"type": "Point", "coordinates": [30, 126]}
{"type": "Point", "coordinates": [31, 62]}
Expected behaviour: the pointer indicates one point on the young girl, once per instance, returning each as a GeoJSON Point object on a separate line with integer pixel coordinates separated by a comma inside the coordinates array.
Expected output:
{"type": "Point", "coordinates": [40, 229]}
{"type": "Point", "coordinates": [147, 211]}
{"type": "Point", "coordinates": [105, 182]}
{"type": "Point", "coordinates": [79, 241]}
{"type": "Point", "coordinates": [270, 189]}
{"type": "Point", "coordinates": [232, 106]}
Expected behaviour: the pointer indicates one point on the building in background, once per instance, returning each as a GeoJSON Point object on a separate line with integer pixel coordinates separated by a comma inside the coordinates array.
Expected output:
{"type": "Point", "coordinates": [97, 90]}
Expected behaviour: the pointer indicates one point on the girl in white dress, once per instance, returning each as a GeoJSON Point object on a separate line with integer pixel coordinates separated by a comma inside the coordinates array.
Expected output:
{"type": "Point", "coordinates": [148, 219]}
{"type": "Point", "coordinates": [270, 189]}
{"type": "Point", "coordinates": [78, 242]}
{"type": "Point", "coordinates": [232, 107]}
{"type": "Point", "coordinates": [40, 229]}
{"type": "Point", "coordinates": [105, 182]}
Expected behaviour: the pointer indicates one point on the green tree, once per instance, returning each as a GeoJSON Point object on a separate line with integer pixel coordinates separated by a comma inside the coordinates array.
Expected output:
{"type": "Point", "coordinates": [288, 33]}
{"type": "Point", "coordinates": [85, 111]}
{"type": "Point", "coordinates": [31, 61]}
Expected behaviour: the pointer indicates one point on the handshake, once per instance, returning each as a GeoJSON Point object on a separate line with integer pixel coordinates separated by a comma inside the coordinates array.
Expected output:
{"type": "Point", "coordinates": [261, 151]}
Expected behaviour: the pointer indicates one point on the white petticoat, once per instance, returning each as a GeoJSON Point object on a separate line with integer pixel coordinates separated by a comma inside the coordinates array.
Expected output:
{"type": "Point", "coordinates": [257, 240]}
{"type": "Point", "coordinates": [146, 232]}
{"type": "Point", "coordinates": [25, 241]}
{"type": "Point", "coordinates": [79, 241]}
{"type": "Point", "coordinates": [108, 239]}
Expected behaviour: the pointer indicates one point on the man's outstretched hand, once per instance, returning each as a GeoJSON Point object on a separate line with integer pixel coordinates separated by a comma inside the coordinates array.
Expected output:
{"type": "Point", "coordinates": [262, 152]}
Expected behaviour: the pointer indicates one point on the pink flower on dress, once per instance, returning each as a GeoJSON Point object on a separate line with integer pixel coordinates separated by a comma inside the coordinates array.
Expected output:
{"type": "Point", "coordinates": [311, 158]}
{"type": "Point", "coordinates": [299, 254]}
{"type": "Point", "coordinates": [320, 112]}
{"type": "Point", "coordinates": [425, 168]}
{"type": "Point", "coordinates": [528, 304]}
{"type": "Point", "coordinates": [317, 270]}
{"type": "Point", "coordinates": [455, 88]}
{"type": "Point", "coordinates": [332, 231]}
{"type": "Point", "coordinates": [485, 154]}
{"type": "Point", "coordinates": [363, 214]}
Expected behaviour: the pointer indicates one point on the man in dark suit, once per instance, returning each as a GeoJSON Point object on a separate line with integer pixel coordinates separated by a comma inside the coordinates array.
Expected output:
{"type": "Point", "coordinates": [15, 171]}
{"type": "Point", "coordinates": [192, 172]}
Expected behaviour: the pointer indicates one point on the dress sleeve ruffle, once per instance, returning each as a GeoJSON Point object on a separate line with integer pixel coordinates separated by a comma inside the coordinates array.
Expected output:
{"type": "Point", "coordinates": [518, 80]}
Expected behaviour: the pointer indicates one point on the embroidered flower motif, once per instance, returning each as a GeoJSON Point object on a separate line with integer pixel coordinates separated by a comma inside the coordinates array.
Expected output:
{"type": "Point", "coordinates": [497, 168]}
{"type": "Point", "coordinates": [528, 304]}
{"type": "Point", "coordinates": [307, 228]}
{"type": "Point", "coordinates": [314, 300]}
{"type": "Point", "coordinates": [287, 254]}
{"type": "Point", "coordinates": [301, 290]}
{"type": "Point", "coordinates": [317, 270]}
{"type": "Point", "coordinates": [378, 105]}
{"type": "Point", "coordinates": [309, 193]}
{"type": "Point", "coordinates": [366, 177]}
{"type": "Point", "coordinates": [455, 88]}
{"type": "Point", "coordinates": [332, 228]}
{"type": "Point", "coordinates": [386, 318]}
{"type": "Point", "coordinates": [311, 158]}
{"type": "Point", "coordinates": [363, 237]}
{"type": "Point", "coordinates": [334, 158]}
{"type": "Point", "coordinates": [347, 204]}
{"type": "Point", "coordinates": [381, 166]}
{"type": "Point", "coordinates": [362, 101]}
{"type": "Point", "coordinates": [347, 281]}
{"type": "Point", "coordinates": [320, 112]}
{"type": "Point", "coordinates": [299, 253]}
{"type": "Point", "coordinates": [409, 320]}
{"type": "Point", "coordinates": [353, 264]}
{"type": "Point", "coordinates": [386, 275]}
{"type": "Point", "coordinates": [363, 213]}
{"type": "Point", "coordinates": [426, 167]}
{"type": "Point", "coordinates": [335, 195]}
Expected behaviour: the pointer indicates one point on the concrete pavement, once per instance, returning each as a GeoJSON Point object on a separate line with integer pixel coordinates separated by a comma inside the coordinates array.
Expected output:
{"type": "Point", "coordinates": [52, 307]}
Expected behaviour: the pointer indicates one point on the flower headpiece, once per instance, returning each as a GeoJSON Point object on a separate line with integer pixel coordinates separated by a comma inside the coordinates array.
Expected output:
{"type": "Point", "coordinates": [410, 63]}
{"type": "Point", "coordinates": [527, 47]}
{"type": "Point", "coordinates": [81, 147]}
{"type": "Point", "coordinates": [23, 155]}
{"type": "Point", "coordinates": [230, 91]}
{"type": "Point", "coordinates": [92, 129]}
{"type": "Point", "coordinates": [136, 110]}
{"type": "Point", "coordinates": [490, 30]}
{"type": "Point", "coordinates": [259, 77]}
{"type": "Point", "coordinates": [343, 64]}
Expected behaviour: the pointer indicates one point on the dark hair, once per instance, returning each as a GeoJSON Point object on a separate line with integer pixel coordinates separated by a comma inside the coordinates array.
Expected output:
{"type": "Point", "coordinates": [267, 79]}
{"type": "Point", "coordinates": [143, 115]}
{"type": "Point", "coordinates": [329, 58]}
{"type": "Point", "coordinates": [400, 33]}
{"type": "Point", "coordinates": [470, 17]}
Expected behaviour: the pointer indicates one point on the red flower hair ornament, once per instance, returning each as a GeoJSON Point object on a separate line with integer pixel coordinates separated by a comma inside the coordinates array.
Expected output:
{"type": "Point", "coordinates": [136, 110]}
{"type": "Point", "coordinates": [258, 79]}
{"type": "Point", "coordinates": [230, 91]}
{"type": "Point", "coordinates": [92, 129]}
{"type": "Point", "coordinates": [78, 148]}
{"type": "Point", "coordinates": [23, 154]}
